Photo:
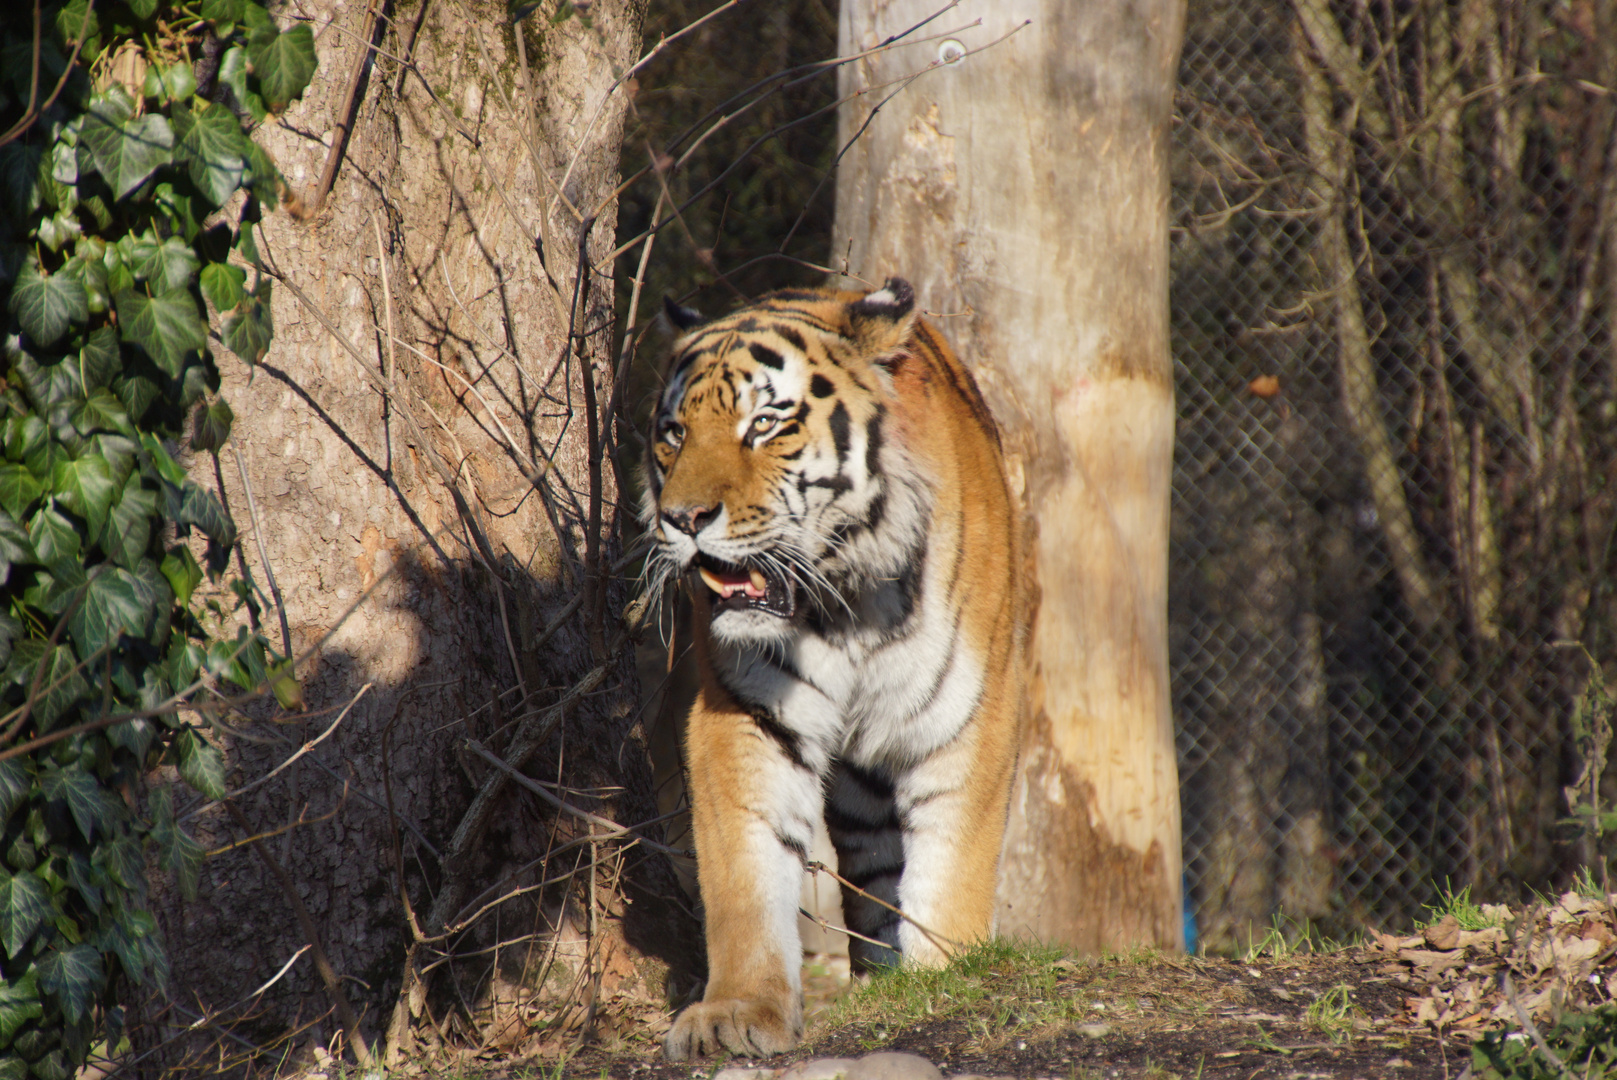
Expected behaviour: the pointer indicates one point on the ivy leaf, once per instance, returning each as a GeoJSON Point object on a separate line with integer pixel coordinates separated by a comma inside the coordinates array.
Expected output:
{"type": "Point", "coordinates": [45, 305]}
{"type": "Point", "coordinates": [23, 906]}
{"type": "Point", "coordinates": [183, 573]}
{"type": "Point", "coordinates": [223, 285]}
{"type": "Point", "coordinates": [86, 880]}
{"type": "Point", "coordinates": [84, 486]}
{"type": "Point", "coordinates": [210, 426]}
{"type": "Point", "coordinates": [18, 490]}
{"type": "Point", "coordinates": [143, 9]}
{"type": "Point", "coordinates": [55, 231]}
{"type": "Point", "coordinates": [120, 858]}
{"type": "Point", "coordinates": [54, 538]}
{"type": "Point", "coordinates": [169, 263]}
{"type": "Point", "coordinates": [283, 62]}
{"type": "Point", "coordinates": [167, 326]}
{"type": "Point", "coordinates": [222, 12]}
{"type": "Point", "coordinates": [47, 385]}
{"type": "Point", "coordinates": [137, 392]}
{"type": "Point", "coordinates": [91, 272]}
{"type": "Point", "coordinates": [126, 151]}
{"type": "Point", "coordinates": [101, 411]}
{"type": "Point", "coordinates": [176, 851]}
{"type": "Point", "coordinates": [14, 786]}
{"type": "Point", "coordinates": [19, 1003]}
{"type": "Point", "coordinates": [10, 630]}
{"type": "Point", "coordinates": [119, 452]}
{"type": "Point", "coordinates": [134, 735]}
{"type": "Point", "coordinates": [248, 333]}
{"type": "Point", "coordinates": [164, 465]}
{"type": "Point", "coordinates": [191, 504]}
{"type": "Point", "coordinates": [255, 16]}
{"type": "Point", "coordinates": [82, 794]}
{"type": "Point", "coordinates": [113, 604]}
{"type": "Point", "coordinates": [211, 143]}
{"type": "Point", "coordinates": [24, 434]}
{"type": "Point", "coordinates": [99, 362]}
{"type": "Point", "coordinates": [74, 975]}
{"type": "Point", "coordinates": [19, 180]}
{"type": "Point", "coordinates": [264, 179]}
{"type": "Point", "coordinates": [233, 76]}
{"type": "Point", "coordinates": [176, 82]}
{"type": "Point", "coordinates": [201, 766]}
{"type": "Point", "coordinates": [14, 546]}
{"type": "Point", "coordinates": [129, 525]}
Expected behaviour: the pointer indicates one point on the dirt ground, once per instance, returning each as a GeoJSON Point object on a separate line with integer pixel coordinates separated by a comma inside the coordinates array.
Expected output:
{"type": "Point", "coordinates": [1151, 1018]}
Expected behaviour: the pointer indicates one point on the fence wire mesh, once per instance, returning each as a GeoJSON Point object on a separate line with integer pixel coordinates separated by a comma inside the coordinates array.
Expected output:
{"type": "Point", "coordinates": [1394, 274]}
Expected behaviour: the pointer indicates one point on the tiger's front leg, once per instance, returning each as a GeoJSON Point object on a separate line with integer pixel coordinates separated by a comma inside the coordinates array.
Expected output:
{"type": "Point", "coordinates": [751, 808]}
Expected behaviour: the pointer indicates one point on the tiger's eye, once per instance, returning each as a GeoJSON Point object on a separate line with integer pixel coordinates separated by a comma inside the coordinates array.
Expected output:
{"type": "Point", "coordinates": [673, 431]}
{"type": "Point", "coordinates": [761, 424]}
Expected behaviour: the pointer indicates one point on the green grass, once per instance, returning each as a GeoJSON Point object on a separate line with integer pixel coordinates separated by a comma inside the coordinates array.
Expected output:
{"type": "Point", "coordinates": [1335, 1014]}
{"type": "Point", "coordinates": [1466, 912]}
{"type": "Point", "coordinates": [1286, 937]}
{"type": "Point", "coordinates": [999, 988]}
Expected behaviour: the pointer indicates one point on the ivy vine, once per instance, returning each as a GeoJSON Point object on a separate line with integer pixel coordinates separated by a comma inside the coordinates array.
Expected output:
{"type": "Point", "coordinates": [129, 188]}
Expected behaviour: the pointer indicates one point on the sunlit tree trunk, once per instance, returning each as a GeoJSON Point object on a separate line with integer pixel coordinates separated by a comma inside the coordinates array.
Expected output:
{"type": "Point", "coordinates": [415, 462]}
{"type": "Point", "coordinates": [1023, 189]}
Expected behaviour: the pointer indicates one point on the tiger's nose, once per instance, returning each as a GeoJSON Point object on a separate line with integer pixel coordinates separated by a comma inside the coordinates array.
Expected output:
{"type": "Point", "coordinates": [691, 519]}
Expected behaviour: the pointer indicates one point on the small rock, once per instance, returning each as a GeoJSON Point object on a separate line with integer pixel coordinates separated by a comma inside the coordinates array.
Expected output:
{"type": "Point", "coordinates": [1094, 1031]}
{"type": "Point", "coordinates": [819, 1069]}
{"type": "Point", "coordinates": [890, 1065]}
{"type": "Point", "coordinates": [1396, 1063]}
{"type": "Point", "coordinates": [738, 1073]}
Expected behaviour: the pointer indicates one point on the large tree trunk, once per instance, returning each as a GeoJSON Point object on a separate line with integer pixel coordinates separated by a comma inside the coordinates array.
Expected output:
{"type": "Point", "coordinates": [429, 506]}
{"type": "Point", "coordinates": [1023, 190]}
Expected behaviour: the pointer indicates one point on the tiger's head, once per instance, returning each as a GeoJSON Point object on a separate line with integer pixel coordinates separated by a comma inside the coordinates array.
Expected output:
{"type": "Point", "coordinates": [773, 471]}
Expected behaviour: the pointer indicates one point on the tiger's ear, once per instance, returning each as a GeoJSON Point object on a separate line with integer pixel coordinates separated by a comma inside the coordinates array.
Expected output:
{"type": "Point", "coordinates": [682, 317]}
{"type": "Point", "coordinates": [883, 319]}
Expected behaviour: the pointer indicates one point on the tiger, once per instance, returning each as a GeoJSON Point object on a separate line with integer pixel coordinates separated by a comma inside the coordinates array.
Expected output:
{"type": "Point", "coordinates": [825, 476]}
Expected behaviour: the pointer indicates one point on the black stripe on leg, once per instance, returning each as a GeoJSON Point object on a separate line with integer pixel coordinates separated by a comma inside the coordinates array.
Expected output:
{"type": "Point", "coordinates": [783, 736]}
{"type": "Point", "coordinates": [794, 845]}
{"type": "Point", "coordinates": [840, 820]}
{"type": "Point", "coordinates": [875, 782]}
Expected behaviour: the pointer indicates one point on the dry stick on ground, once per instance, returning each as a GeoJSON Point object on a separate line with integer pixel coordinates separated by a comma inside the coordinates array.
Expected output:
{"type": "Point", "coordinates": [322, 963]}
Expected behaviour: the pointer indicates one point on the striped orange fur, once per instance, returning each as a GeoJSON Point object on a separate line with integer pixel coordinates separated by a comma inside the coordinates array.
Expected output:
{"type": "Point", "coordinates": [825, 474]}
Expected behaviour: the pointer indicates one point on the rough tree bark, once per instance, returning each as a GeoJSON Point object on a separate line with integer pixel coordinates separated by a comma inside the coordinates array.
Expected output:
{"type": "Point", "coordinates": [1023, 190]}
{"type": "Point", "coordinates": [398, 474]}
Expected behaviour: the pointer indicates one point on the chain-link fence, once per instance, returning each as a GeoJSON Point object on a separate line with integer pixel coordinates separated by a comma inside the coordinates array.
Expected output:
{"type": "Point", "coordinates": [1394, 279]}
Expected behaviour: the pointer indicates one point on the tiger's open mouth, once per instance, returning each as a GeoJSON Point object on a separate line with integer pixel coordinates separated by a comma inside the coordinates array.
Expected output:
{"type": "Point", "coordinates": [742, 588]}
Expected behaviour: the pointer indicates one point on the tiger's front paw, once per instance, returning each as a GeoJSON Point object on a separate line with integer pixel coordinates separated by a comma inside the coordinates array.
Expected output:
{"type": "Point", "coordinates": [745, 1028]}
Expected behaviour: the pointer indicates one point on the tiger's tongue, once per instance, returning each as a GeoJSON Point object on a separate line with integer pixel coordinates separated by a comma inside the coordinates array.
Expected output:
{"type": "Point", "coordinates": [749, 583]}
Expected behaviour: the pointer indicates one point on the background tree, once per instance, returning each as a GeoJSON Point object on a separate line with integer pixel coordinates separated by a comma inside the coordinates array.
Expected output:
{"type": "Point", "coordinates": [427, 488]}
{"type": "Point", "coordinates": [1023, 189]}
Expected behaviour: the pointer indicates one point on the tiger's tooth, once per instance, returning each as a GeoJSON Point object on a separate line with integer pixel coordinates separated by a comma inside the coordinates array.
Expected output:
{"type": "Point", "coordinates": [759, 582]}
{"type": "Point", "coordinates": [711, 580]}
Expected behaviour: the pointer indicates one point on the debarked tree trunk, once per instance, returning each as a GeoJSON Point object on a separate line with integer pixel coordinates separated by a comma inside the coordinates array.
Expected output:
{"type": "Point", "coordinates": [1022, 186]}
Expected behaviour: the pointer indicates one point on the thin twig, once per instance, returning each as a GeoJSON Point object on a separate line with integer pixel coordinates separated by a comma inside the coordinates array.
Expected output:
{"type": "Point", "coordinates": [263, 553]}
{"type": "Point", "coordinates": [614, 830]}
{"type": "Point", "coordinates": [345, 114]}
{"type": "Point", "coordinates": [943, 943]}
{"type": "Point", "coordinates": [322, 963]}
